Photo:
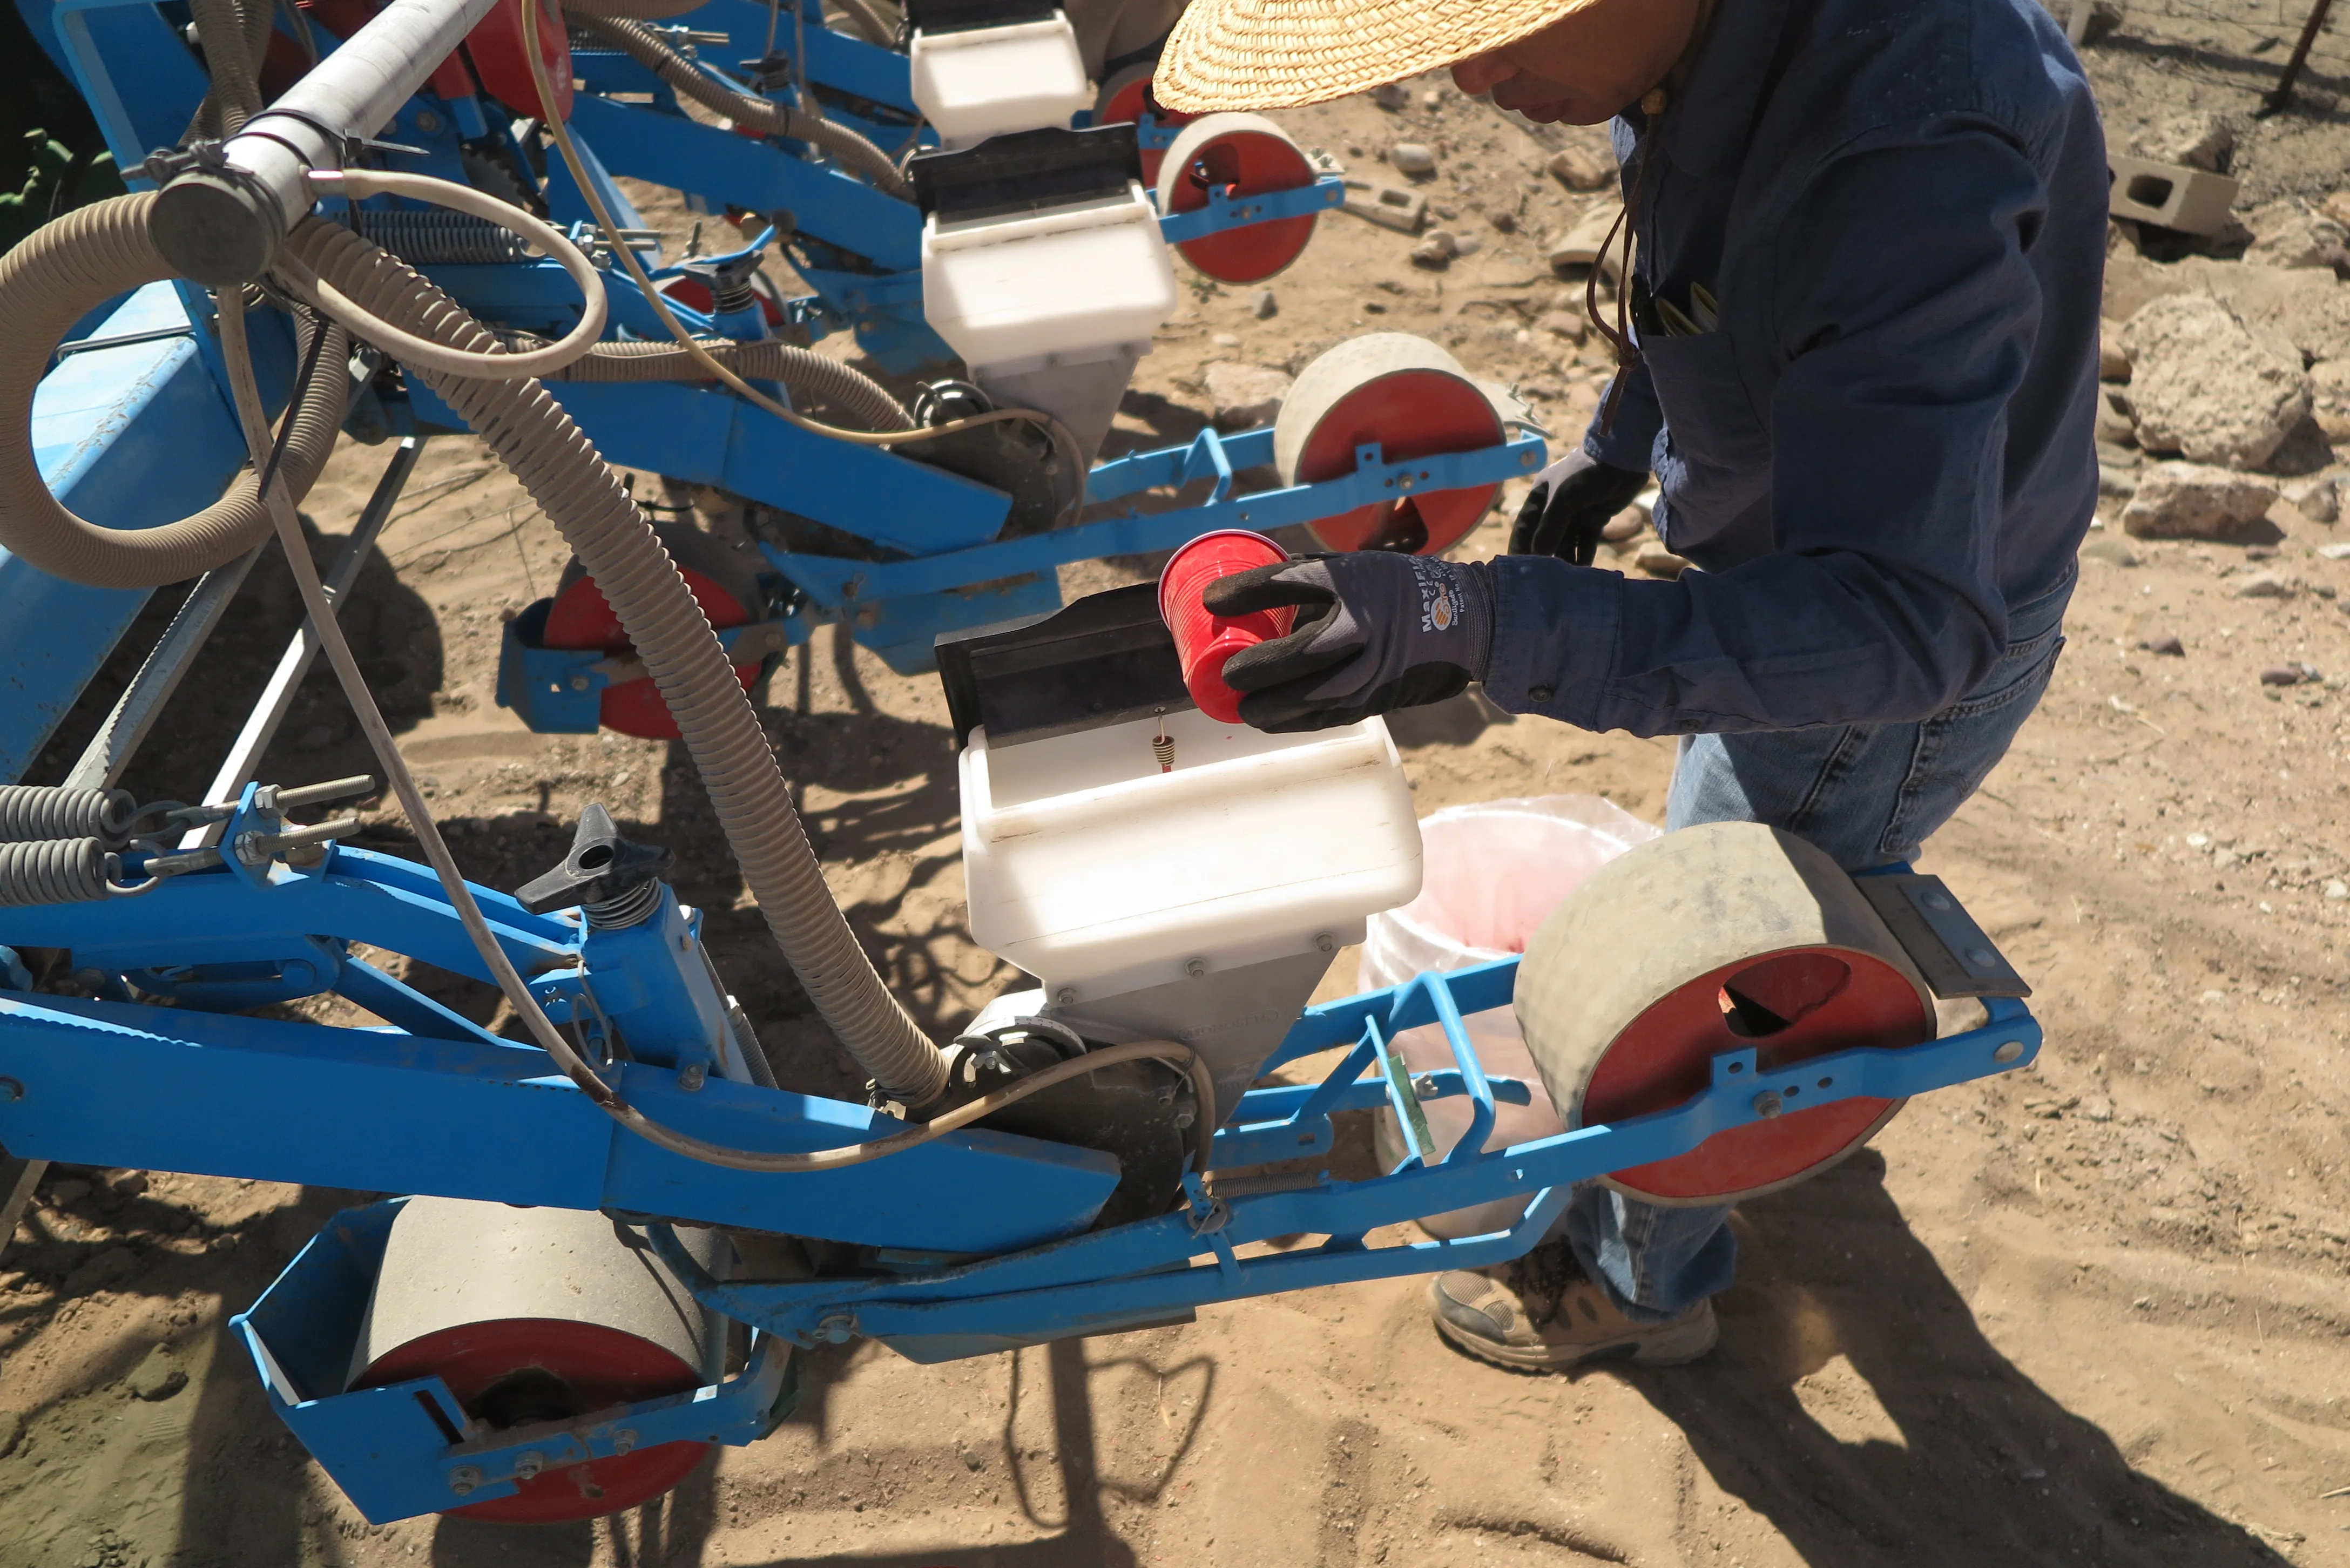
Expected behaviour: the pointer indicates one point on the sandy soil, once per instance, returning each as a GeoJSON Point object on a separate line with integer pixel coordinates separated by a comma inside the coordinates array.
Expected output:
{"type": "Point", "coordinates": [2090, 1314]}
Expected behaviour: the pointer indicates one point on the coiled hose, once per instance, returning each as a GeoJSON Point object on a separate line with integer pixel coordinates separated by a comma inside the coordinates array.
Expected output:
{"type": "Point", "coordinates": [842, 386]}
{"type": "Point", "coordinates": [424, 236]}
{"type": "Point", "coordinates": [644, 47]}
{"type": "Point", "coordinates": [52, 871]}
{"type": "Point", "coordinates": [59, 273]}
{"type": "Point", "coordinates": [555, 464]}
{"type": "Point", "coordinates": [32, 812]}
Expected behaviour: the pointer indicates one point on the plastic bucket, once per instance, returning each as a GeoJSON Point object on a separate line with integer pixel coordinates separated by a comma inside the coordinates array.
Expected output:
{"type": "Point", "coordinates": [1491, 874]}
{"type": "Point", "coordinates": [1203, 641]}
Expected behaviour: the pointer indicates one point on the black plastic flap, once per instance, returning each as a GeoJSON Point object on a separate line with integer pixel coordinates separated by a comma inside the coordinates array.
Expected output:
{"type": "Point", "coordinates": [962, 16]}
{"type": "Point", "coordinates": [1103, 661]}
{"type": "Point", "coordinates": [1027, 171]}
{"type": "Point", "coordinates": [1953, 954]}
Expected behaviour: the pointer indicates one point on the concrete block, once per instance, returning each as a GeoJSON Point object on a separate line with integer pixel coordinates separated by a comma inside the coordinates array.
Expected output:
{"type": "Point", "coordinates": [1402, 211]}
{"type": "Point", "coordinates": [2193, 201]}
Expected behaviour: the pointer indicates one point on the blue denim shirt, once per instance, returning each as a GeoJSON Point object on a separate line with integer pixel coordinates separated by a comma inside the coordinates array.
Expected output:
{"type": "Point", "coordinates": [1900, 207]}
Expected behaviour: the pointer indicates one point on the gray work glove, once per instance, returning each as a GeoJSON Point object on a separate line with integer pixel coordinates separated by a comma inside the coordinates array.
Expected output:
{"type": "Point", "coordinates": [1375, 631]}
{"type": "Point", "coordinates": [1572, 500]}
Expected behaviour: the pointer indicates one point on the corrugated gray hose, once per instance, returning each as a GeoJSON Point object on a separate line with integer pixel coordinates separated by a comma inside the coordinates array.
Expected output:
{"type": "Point", "coordinates": [563, 473]}
{"type": "Point", "coordinates": [644, 47]}
{"type": "Point", "coordinates": [235, 37]}
{"type": "Point", "coordinates": [60, 272]}
{"type": "Point", "coordinates": [66, 268]}
{"type": "Point", "coordinates": [841, 386]}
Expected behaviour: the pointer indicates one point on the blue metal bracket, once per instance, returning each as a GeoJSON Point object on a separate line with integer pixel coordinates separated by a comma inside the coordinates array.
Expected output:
{"type": "Point", "coordinates": [832, 582]}
{"type": "Point", "coordinates": [1148, 1270]}
{"type": "Point", "coordinates": [1325, 194]}
{"type": "Point", "coordinates": [390, 1449]}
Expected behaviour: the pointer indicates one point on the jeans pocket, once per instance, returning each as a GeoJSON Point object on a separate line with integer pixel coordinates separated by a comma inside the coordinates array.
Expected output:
{"type": "Point", "coordinates": [2022, 673]}
{"type": "Point", "coordinates": [1958, 748]}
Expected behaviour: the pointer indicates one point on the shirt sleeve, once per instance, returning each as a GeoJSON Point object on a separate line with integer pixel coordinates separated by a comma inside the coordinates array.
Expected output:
{"type": "Point", "coordinates": [1905, 312]}
{"type": "Point", "coordinates": [1631, 442]}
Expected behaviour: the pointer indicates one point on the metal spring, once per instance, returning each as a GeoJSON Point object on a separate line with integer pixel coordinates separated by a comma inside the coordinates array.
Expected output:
{"type": "Point", "coordinates": [57, 871]}
{"type": "Point", "coordinates": [434, 238]}
{"type": "Point", "coordinates": [1163, 748]}
{"type": "Point", "coordinates": [629, 909]}
{"type": "Point", "coordinates": [34, 812]}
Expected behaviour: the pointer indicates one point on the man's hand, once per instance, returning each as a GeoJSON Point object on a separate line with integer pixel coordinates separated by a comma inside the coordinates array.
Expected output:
{"type": "Point", "coordinates": [1572, 500]}
{"type": "Point", "coordinates": [1375, 631]}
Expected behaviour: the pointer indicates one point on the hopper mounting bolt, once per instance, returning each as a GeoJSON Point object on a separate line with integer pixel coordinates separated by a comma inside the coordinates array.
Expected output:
{"type": "Point", "coordinates": [529, 1464]}
{"type": "Point", "coordinates": [1196, 969]}
{"type": "Point", "coordinates": [463, 1479]}
{"type": "Point", "coordinates": [1768, 1105]}
{"type": "Point", "coordinates": [838, 1329]}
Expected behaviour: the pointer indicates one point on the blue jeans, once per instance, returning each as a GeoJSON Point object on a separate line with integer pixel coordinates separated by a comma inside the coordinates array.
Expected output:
{"type": "Point", "coordinates": [1868, 795]}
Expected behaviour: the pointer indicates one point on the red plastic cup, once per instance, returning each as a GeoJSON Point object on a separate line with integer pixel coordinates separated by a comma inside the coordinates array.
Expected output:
{"type": "Point", "coordinates": [1202, 640]}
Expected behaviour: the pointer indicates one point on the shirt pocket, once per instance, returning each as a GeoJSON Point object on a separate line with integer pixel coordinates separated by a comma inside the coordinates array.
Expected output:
{"type": "Point", "coordinates": [1713, 457]}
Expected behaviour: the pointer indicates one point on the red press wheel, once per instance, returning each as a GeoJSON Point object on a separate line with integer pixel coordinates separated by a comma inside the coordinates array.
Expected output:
{"type": "Point", "coordinates": [726, 589]}
{"type": "Point", "coordinates": [496, 47]}
{"type": "Point", "coordinates": [1125, 98]}
{"type": "Point", "coordinates": [534, 1315]}
{"type": "Point", "coordinates": [1710, 939]}
{"type": "Point", "coordinates": [1414, 401]}
{"type": "Point", "coordinates": [1250, 156]}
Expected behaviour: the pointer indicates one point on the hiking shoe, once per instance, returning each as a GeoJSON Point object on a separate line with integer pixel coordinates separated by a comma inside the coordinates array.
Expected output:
{"type": "Point", "coordinates": [1522, 1320]}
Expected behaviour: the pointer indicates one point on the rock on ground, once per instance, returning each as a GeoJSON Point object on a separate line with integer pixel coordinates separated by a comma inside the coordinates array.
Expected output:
{"type": "Point", "coordinates": [157, 1376]}
{"type": "Point", "coordinates": [2319, 500]}
{"type": "Point", "coordinates": [1438, 249]}
{"type": "Point", "coordinates": [2191, 501]}
{"type": "Point", "coordinates": [1579, 247]}
{"type": "Point", "coordinates": [2329, 382]}
{"type": "Point", "coordinates": [1571, 325]}
{"type": "Point", "coordinates": [2264, 586]}
{"type": "Point", "coordinates": [2113, 364]}
{"type": "Point", "coordinates": [2197, 140]}
{"type": "Point", "coordinates": [1246, 396]}
{"type": "Point", "coordinates": [2207, 387]}
{"type": "Point", "coordinates": [2291, 233]}
{"type": "Point", "coordinates": [2116, 426]}
{"type": "Point", "coordinates": [1412, 157]}
{"type": "Point", "coordinates": [1580, 168]}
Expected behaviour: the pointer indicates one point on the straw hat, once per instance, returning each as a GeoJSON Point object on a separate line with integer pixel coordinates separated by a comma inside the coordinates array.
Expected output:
{"type": "Point", "coordinates": [1275, 53]}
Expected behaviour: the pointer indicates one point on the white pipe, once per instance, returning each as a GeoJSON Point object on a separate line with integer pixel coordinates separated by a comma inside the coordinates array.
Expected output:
{"type": "Point", "coordinates": [221, 222]}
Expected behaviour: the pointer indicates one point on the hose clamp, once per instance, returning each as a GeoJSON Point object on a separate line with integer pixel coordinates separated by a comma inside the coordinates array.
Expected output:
{"type": "Point", "coordinates": [214, 221]}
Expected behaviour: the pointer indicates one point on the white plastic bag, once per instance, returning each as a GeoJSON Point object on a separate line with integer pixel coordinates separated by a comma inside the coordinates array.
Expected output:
{"type": "Point", "coordinates": [1493, 873]}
